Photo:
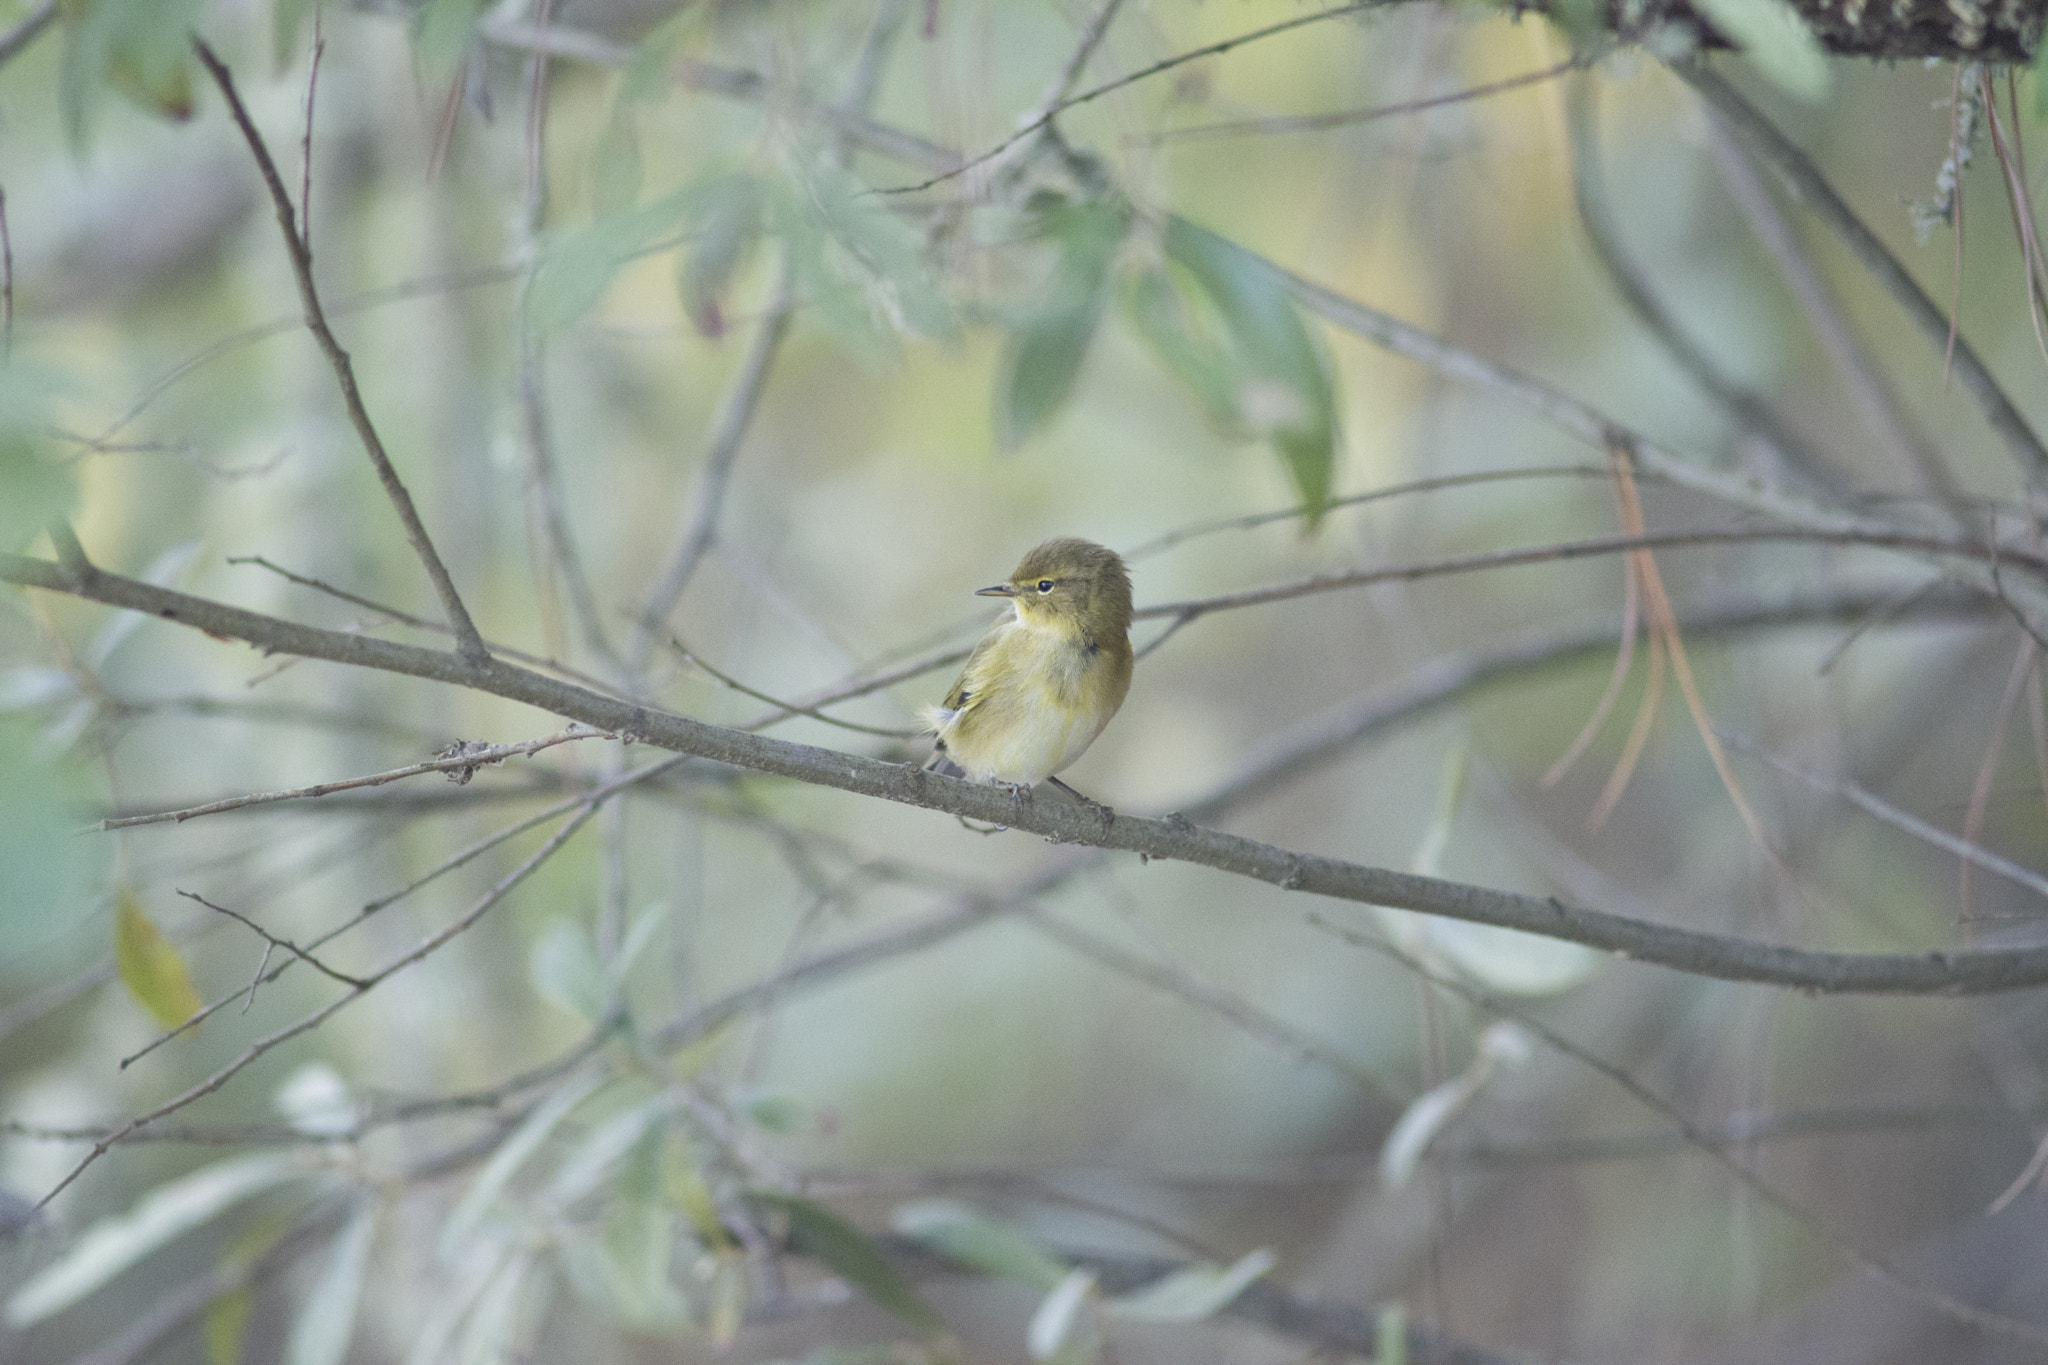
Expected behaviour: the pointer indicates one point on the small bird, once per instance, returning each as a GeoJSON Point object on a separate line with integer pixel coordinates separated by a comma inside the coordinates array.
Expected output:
{"type": "Point", "coordinates": [1046, 678]}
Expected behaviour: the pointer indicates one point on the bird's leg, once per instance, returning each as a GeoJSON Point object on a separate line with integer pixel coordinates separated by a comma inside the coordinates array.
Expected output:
{"type": "Point", "coordinates": [1020, 792]}
{"type": "Point", "coordinates": [1108, 816]}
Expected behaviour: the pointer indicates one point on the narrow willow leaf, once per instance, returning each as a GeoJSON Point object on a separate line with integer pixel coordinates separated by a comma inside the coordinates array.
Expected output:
{"type": "Point", "coordinates": [639, 1241]}
{"type": "Point", "coordinates": [1162, 315]}
{"type": "Point", "coordinates": [113, 1244]}
{"type": "Point", "coordinates": [864, 268]}
{"type": "Point", "coordinates": [1060, 1316]}
{"type": "Point", "coordinates": [504, 1316]}
{"type": "Point", "coordinates": [578, 267]}
{"type": "Point", "coordinates": [150, 967]}
{"type": "Point", "coordinates": [512, 1154]}
{"type": "Point", "coordinates": [141, 49]}
{"type": "Point", "coordinates": [565, 971]}
{"type": "Point", "coordinates": [1194, 1292]}
{"type": "Point", "coordinates": [35, 487]}
{"type": "Point", "coordinates": [1771, 34]}
{"type": "Point", "coordinates": [226, 1326]}
{"type": "Point", "coordinates": [615, 162]}
{"type": "Point", "coordinates": [327, 1319]}
{"type": "Point", "coordinates": [847, 1251]}
{"type": "Point", "coordinates": [287, 18]}
{"type": "Point", "coordinates": [968, 1237]}
{"type": "Point", "coordinates": [1284, 390]}
{"type": "Point", "coordinates": [1390, 1335]}
{"type": "Point", "coordinates": [1049, 343]}
{"type": "Point", "coordinates": [594, 1158]}
{"type": "Point", "coordinates": [50, 879]}
{"type": "Point", "coordinates": [728, 226]}
{"type": "Point", "coordinates": [441, 35]}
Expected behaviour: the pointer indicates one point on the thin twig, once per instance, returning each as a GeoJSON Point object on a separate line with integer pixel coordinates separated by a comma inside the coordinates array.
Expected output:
{"type": "Point", "coordinates": [455, 860]}
{"type": "Point", "coordinates": [273, 941]}
{"type": "Point", "coordinates": [418, 622]}
{"type": "Point", "coordinates": [1589, 191]}
{"type": "Point", "coordinates": [1876, 400]}
{"type": "Point", "coordinates": [1987, 769]}
{"type": "Point", "coordinates": [1943, 1303]}
{"type": "Point", "coordinates": [469, 644]}
{"type": "Point", "coordinates": [307, 1023]}
{"type": "Point", "coordinates": [1751, 125]}
{"type": "Point", "coordinates": [1726, 957]}
{"type": "Point", "coordinates": [1348, 118]}
{"type": "Point", "coordinates": [736, 414]}
{"type": "Point", "coordinates": [1046, 116]}
{"type": "Point", "coordinates": [788, 708]}
{"type": "Point", "coordinates": [26, 30]}
{"type": "Point", "coordinates": [471, 757]}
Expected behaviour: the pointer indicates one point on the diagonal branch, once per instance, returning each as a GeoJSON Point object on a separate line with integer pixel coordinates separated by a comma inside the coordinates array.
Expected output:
{"type": "Point", "coordinates": [1969, 971]}
{"type": "Point", "coordinates": [468, 643]}
{"type": "Point", "coordinates": [1772, 146]}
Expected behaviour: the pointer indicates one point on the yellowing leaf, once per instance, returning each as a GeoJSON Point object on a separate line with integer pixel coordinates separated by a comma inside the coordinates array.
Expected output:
{"type": "Point", "coordinates": [227, 1324]}
{"type": "Point", "coordinates": [150, 967]}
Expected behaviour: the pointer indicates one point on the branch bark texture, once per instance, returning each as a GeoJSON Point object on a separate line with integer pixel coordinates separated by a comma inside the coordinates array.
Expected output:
{"type": "Point", "coordinates": [1972, 971]}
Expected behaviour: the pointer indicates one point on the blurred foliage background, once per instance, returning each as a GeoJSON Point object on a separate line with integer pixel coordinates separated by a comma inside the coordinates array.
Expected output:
{"type": "Point", "coordinates": [672, 360]}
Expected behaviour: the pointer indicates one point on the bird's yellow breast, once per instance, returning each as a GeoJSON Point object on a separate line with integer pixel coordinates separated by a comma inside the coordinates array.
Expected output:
{"type": "Point", "coordinates": [1035, 697]}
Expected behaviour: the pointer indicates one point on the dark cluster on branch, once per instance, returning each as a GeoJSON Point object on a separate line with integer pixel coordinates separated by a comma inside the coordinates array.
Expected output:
{"type": "Point", "coordinates": [1890, 30]}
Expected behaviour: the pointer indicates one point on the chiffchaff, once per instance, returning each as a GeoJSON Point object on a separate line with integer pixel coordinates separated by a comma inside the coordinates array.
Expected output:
{"type": "Point", "coordinates": [1047, 677]}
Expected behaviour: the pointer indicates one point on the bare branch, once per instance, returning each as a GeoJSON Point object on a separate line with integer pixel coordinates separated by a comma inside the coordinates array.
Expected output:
{"type": "Point", "coordinates": [1589, 190]}
{"type": "Point", "coordinates": [736, 413]}
{"type": "Point", "coordinates": [1348, 118]}
{"type": "Point", "coordinates": [1945, 1304]}
{"type": "Point", "coordinates": [1865, 799]}
{"type": "Point", "coordinates": [471, 757]}
{"type": "Point", "coordinates": [1046, 116]}
{"type": "Point", "coordinates": [354, 982]}
{"type": "Point", "coordinates": [1966, 971]}
{"type": "Point", "coordinates": [1763, 137]}
{"type": "Point", "coordinates": [26, 30]}
{"type": "Point", "coordinates": [312, 1021]}
{"type": "Point", "coordinates": [469, 644]}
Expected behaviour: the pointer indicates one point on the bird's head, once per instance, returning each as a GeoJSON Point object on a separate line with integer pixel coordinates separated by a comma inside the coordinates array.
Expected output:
{"type": "Point", "coordinates": [1073, 585]}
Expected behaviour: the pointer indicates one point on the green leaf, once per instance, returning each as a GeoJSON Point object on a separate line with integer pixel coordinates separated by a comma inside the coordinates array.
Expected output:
{"type": "Point", "coordinates": [1060, 1331]}
{"type": "Point", "coordinates": [566, 972]}
{"type": "Point", "coordinates": [150, 967]}
{"type": "Point", "coordinates": [1194, 1292]}
{"type": "Point", "coordinates": [577, 267]}
{"type": "Point", "coordinates": [512, 1154]}
{"type": "Point", "coordinates": [141, 49]}
{"type": "Point", "coordinates": [50, 878]}
{"type": "Point", "coordinates": [1047, 346]}
{"type": "Point", "coordinates": [861, 267]}
{"type": "Point", "coordinates": [728, 221]}
{"type": "Point", "coordinates": [165, 1213]}
{"type": "Point", "coordinates": [2040, 70]}
{"type": "Point", "coordinates": [639, 1240]}
{"type": "Point", "coordinates": [1284, 392]}
{"type": "Point", "coordinates": [1774, 36]}
{"type": "Point", "coordinates": [226, 1326]}
{"type": "Point", "coordinates": [327, 1320]}
{"type": "Point", "coordinates": [287, 18]}
{"type": "Point", "coordinates": [615, 162]}
{"type": "Point", "coordinates": [966, 1236]}
{"type": "Point", "coordinates": [35, 489]}
{"type": "Point", "coordinates": [1163, 317]}
{"type": "Point", "coordinates": [441, 34]}
{"type": "Point", "coordinates": [844, 1249]}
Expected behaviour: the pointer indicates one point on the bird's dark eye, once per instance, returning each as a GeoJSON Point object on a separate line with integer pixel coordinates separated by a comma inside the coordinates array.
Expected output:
{"type": "Point", "coordinates": [1045, 585]}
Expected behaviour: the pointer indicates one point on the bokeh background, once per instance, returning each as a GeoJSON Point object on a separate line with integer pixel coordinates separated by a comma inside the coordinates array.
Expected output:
{"type": "Point", "coordinates": [1146, 1060]}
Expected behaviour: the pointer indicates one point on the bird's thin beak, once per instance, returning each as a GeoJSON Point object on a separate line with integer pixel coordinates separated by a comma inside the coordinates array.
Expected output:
{"type": "Point", "coordinates": [999, 590]}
